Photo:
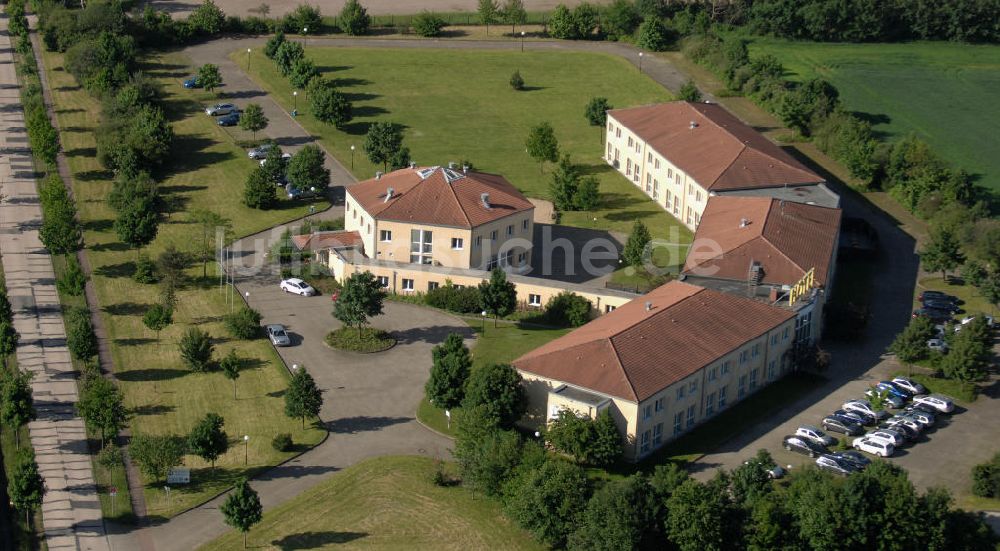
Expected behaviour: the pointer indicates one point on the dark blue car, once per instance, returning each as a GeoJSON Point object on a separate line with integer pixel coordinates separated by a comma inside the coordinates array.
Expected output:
{"type": "Point", "coordinates": [192, 83]}
{"type": "Point", "coordinates": [231, 119]}
{"type": "Point", "coordinates": [894, 390]}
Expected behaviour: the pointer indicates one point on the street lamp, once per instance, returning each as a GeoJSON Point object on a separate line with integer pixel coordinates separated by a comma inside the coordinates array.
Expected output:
{"type": "Point", "coordinates": [246, 449]}
{"type": "Point", "coordinates": [640, 62]}
{"type": "Point", "coordinates": [352, 157]}
{"type": "Point", "coordinates": [295, 100]}
{"type": "Point", "coordinates": [305, 30]}
{"type": "Point", "coordinates": [484, 322]}
{"type": "Point", "coordinates": [248, 60]}
{"type": "Point", "coordinates": [295, 367]}
{"type": "Point", "coordinates": [522, 41]}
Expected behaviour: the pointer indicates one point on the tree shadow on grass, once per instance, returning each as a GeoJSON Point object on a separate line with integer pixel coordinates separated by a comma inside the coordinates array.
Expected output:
{"type": "Point", "coordinates": [138, 375]}
{"type": "Point", "coordinates": [350, 81]}
{"type": "Point", "coordinates": [135, 341]}
{"type": "Point", "coordinates": [361, 423]}
{"type": "Point", "coordinates": [124, 269]}
{"type": "Point", "coordinates": [104, 224]}
{"type": "Point", "coordinates": [81, 152]}
{"type": "Point", "coordinates": [126, 309]}
{"type": "Point", "coordinates": [630, 215]}
{"type": "Point", "coordinates": [333, 68]}
{"type": "Point", "coordinates": [315, 540]}
{"type": "Point", "coordinates": [368, 111]}
{"type": "Point", "coordinates": [157, 409]}
{"type": "Point", "coordinates": [93, 175]}
{"type": "Point", "coordinates": [190, 154]}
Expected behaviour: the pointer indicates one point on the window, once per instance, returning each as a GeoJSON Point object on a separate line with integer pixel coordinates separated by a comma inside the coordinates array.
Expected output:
{"type": "Point", "coordinates": [774, 339]}
{"type": "Point", "coordinates": [743, 387]}
{"type": "Point", "coordinates": [785, 336]}
{"type": "Point", "coordinates": [369, 228]}
{"type": "Point", "coordinates": [658, 404]}
{"type": "Point", "coordinates": [611, 126]}
{"type": "Point", "coordinates": [680, 392]}
{"type": "Point", "coordinates": [756, 351]}
{"type": "Point", "coordinates": [657, 163]}
{"type": "Point", "coordinates": [431, 285]}
{"type": "Point", "coordinates": [670, 173]}
{"type": "Point", "coordinates": [354, 215]}
{"type": "Point", "coordinates": [710, 405]}
{"type": "Point", "coordinates": [722, 398]}
{"type": "Point", "coordinates": [649, 157]}
{"type": "Point", "coordinates": [697, 196]}
{"type": "Point", "coordinates": [693, 387]}
{"type": "Point", "coordinates": [697, 219]}
{"type": "Point", "coordinates": [383, 281]}
{"type": "Point", "coordinates": [618, 132]}
{"type": "Point", "coordinates": [690, 218]}
{"type": "Point", "coordinates": [658, 434]}
{"type": "Point", "coordinates": [510, 229]}
{"type": "Point", "coordinates": [677, 205]}
{"type": "Point", "coordinates": [753, 379]}
{"type": "Point", "coordinates": [630, 141]}
{"type": "Point", "coordinates": [457, 243]}
{"type": "Point", "coordinates": [725, 366]}
{"type": "Point", "coordinates": [690, 420]}
{"type": "Point", "coordinates": [744, 356]}
{"type": "Point", "coordinates": [609, 308]}
{"type": "Point", "coordinates": [493, 235]}
{"type": "Point", "coordinates": [677, 178]}
{"type": "Point", "coordinates": [420, 246]}
{"type": "Point", "coordinates": [521, 258]}
{"type": "Point", "coordinates": [535, 300]}
{"type": "Point", "coordinates": [712, 373]}
{"type": "Point", "coordinates": [656, 189]}
{"type": "Point", "coordinates": [678, 423]}
{"type": "Point", "coordinates": [384, 235]}
{"type": "Point", "coordinates": [772, 370]}
{"type": "Point", "coordinates": [644, 443]}
{"type": "Point", "coordinates": [524, 224]}
{"type": "Point", "coordinates": [479, 241]}
{"type": "Point", "coordinates": [690, 189]}
{"type": "Point", "coordinates": [493, 263]}
{"type": "Point", "coordinates": [628, 167]}
{"type": "Point", "coordinates": [407, 284]}
{"type": "Point", "coordinates": [647, 412]}
{"type": "Point", "coordinates": [609, 150]}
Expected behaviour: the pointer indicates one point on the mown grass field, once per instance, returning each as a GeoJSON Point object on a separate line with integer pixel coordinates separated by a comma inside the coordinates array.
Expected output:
{"type": "Point", "coordinates": [458, 105]}
{"type": "Point", "coordinates": [383, 503]}
{"type": "Point", "coordinates": [943, 92]}
{"type": "Point", "coordinates": [207, 171]}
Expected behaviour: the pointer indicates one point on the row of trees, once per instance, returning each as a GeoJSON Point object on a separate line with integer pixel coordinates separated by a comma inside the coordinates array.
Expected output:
{"type": "Point", "coordinates": [327, 103]}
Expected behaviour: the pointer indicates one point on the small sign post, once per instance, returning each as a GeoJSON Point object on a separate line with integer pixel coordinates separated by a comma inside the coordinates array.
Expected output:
{"type": "Point", "coordinates": [113, 492]}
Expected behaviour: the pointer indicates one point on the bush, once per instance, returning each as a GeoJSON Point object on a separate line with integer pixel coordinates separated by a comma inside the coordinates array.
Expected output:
{"type": "Point", "coordinates": [73, 279]}
{"type": "Point", "coordinates": [516, 82]}
{"type": "Point", "coordinates": [354, 19]}
{"type": "Point", "coordinates": [464, 300]}
{"type": "Point", "coordinates": [428, 25]}
{"type": "Point", "coordinates": [80, 337]}
{"type": "Point", "coordinates": [282, 442]}
{"type": "Point", "coordinates": [654, 35]}
{"type": "Point", "coordinates": [986, 478]}
{"type": "Point", "coordinates": [367, 340]}
{"type": "Point", "coordinates": [145, 270]}
{"type": "Point", "coordinates": [596, 442]}
{"type": "Point", "coordinates": [567, 309]}
{"type": "Point", "coordinates": [243, 323]}
{"type": "Point", "coordinates": [196, 349]}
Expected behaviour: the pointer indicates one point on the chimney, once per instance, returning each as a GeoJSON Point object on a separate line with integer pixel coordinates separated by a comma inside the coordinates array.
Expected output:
{"type": "Point", "coordinates": [388, 194]}
{"type": "Point", "coordinates": [485, 197]}
{"type": "Point", "coordinates": [465, 169]}
{"type": "Point", "coordinates": [378, 174]}
{"type": "Point", "coordinates": [693, 125]}
{"type": "Point", "coordinates": [413, 164]}
{"type": "Point", "coordinates": [649, 306]}
{"type": "Point", "coordinates": [451, 165]}
{"type": "Point", "coordinates": [773, 295]}
{"type": "Point", "coordinates": [744, 222]}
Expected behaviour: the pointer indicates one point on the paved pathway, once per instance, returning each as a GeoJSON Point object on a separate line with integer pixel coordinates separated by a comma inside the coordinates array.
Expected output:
{"type": "Point", "coordinates": [71, 510]}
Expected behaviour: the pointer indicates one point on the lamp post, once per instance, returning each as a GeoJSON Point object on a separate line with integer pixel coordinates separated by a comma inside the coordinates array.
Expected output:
{"type": "Point", "coordinates": [295, 100]}
{"type": "Point", "coordinates": [640, 62]}
{"type": "Point", "coordinates": [522, 41]}
{"type": "Point", "coordinates": [352, 157]}
{"type": "Point", "coordinates": [248, 60]}
{"type": "Point", "coordinates": [246, 449]}
{"type": "Point", "coordinates": [305, 30]}
{"type": "Point", "coordinates": [484, 322]}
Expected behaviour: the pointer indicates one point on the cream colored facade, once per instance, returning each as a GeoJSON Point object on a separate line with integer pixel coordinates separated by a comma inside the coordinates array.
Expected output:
{"type": "Point", "coordinates": [680, 407]}
{"type": "Point", "coordinates": [506, 242]}
{"type": "Point", "coordinates": [668, 186]}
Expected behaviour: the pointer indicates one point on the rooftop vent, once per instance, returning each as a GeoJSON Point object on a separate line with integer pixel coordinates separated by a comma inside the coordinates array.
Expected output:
{"type": "Point", "coordinates": [693, 125]}
{"type": "Point", "coordinates": [465, 169]}
{"type": "Point", "coordinates": [744, 222]}
{"type": "Point", "coordinates": [388, 194]}
{"type": "Point", "coordinates": [378, 174]}
{"type": "Point", "coordinates": [649, 306]}
{"type": "Point", "coordinates": [485, 197]}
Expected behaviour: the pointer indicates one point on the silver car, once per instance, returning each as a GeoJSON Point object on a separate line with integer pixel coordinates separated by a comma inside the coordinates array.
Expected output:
{"type": "Point", "coordinates": [220, 109]}
{"type": "Point", "coordinates": [278, 335]}
{"type": "Point", "coordinates": [260, 151]}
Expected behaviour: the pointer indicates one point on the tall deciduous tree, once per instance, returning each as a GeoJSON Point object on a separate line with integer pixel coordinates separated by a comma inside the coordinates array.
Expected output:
{"type": "Point", "coordinates": [230, 366]}
{"type": "Point", "coordinates": [485, 454]}
{"type": "Point", "coordinates": [259, 192]}
{"type": "Point", "coordinates": [329, 104]}
{"type": "Point", "coordinates": [689, 92]}
{"type": "Point", "coordinates": [597, 112]}
{"type": "Point", "coordinates": [513, 14]}
{"type": "Point", "coordinates": [303, 398]}
{"type": "Point", "coordinates": [196, 349]}
{"type": "Point", "coordinates": [273, 43]}
{"type": "Point", "coordinates": [8, 340]}
{"type": "Point", "coordinates": [209, 77]}
{"type": "Point", "coordinates": [498, 295]}
{"type": "Point", "coordinates": [383, 140]}
{"type": "Point", "coordinates": [616, 518]}
{"type": "Point", "coordinates": [565, 182]}
{"type": "Point", "coordinates": [542, 144]}
{"type": "Point", "coordinates": [635, 247]}
{"type": "Point", "coordinates": [451, 366]}
{"type": "Point", "coordinates": [157, 318]}
{"type": "Point", "coordinates": [306, 170]}
{"type": "Point", "coordinates": [208, 439]}
{"type": "Point", "coordinates": [25, 486]}
{"type": "Point", "coordinates": [80, 337]}
{"type": "Point", "coordinates": [137, 222]}
{"type": "Point", "coordinates": [910, 344]}
{"type": "Point", "coordinates": [287, 54]}
{"type": "Point", "coordinates": [253, 119]}
{"type": "Point", "coordinates": [497, 388]}
{"type": "Point", "coordinates": [488, 12]}
{"type": "Point", "coordinates": [102, 407]}
{"type": "Point", "coordinates": [156, 455]}
{"type": "Point", "coordinates": [354, 18]}
{"type": "Point", "coordinates": [17, 405]}
{"type": "Point", "coordinates": [242, 509]}
{"type": "Point", "coordinates": [943, 252]}
{"type": "Point", "coordinates": [546, 501]}
{"type": "Point", "coordinates": [360, 298]}
{"type": "Point", "coordinates": [211, 224]}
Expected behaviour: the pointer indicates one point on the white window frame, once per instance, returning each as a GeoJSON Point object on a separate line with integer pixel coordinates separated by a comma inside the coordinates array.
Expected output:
{"type": "Point", "coordinates": [407, 284]}
{"type": "Point", "coordinates": [383, 281]}
{"type": "Point", "coordinates": [457, 243]}
{"type": "Point", "coordinates": [385, 236]}
{"type": "Point", "coordinates": [534, 300]}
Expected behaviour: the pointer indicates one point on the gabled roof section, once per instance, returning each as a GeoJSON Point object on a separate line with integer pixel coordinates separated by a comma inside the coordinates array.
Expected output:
{"type": "Point", "coordinates": [439, 196]}
{"type": "Point", "coordinates": [714, 147]}
{"type": "Point", "coordinates": [784, 237]}
{"type": "Point", "coordinates": [654, 341]}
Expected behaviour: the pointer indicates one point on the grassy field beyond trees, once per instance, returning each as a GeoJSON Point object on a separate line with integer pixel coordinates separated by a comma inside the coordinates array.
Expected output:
{"type": "Point", "coordinates": [944, 92]}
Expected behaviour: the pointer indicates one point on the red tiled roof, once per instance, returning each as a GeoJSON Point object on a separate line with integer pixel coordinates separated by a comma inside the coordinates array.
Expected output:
{"type": "Point", "coordinates": [634, 353]}
{"type": "Point", "coordinates": [439, 196]}
{"type": "Point", "coordinates": [721, 152]}
{"type": "Point", "coordinates": [786, 238]}
{"type": "Point", "coordinates": [327, 240]}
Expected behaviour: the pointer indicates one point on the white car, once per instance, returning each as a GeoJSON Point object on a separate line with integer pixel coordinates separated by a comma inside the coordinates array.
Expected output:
{"type": "Point", "coordinates": [220, 109]}
{"type": "Point", "coordinates": [284, 157]}
{"type": "Point", "coordinates": [969, 319]}
{"type": "Point", "coordinates": [874, 446]}
{"type": "Point", "coordinates": [890, 437]}
{"type": "Point", "coordinates": [816, 435]}
{"type": "Point", "coordinates": [909, 385]}
{"type": "Point", "coordinates": [911, 423]}
{"type": "Point", "coordinates": [938, 345]}
{"type": "Point", "coordinates": [941, 403]}
{"type": "Point", "coordinates": [297, 286]}
{"type": "Point", "coordinates": [864, 408]}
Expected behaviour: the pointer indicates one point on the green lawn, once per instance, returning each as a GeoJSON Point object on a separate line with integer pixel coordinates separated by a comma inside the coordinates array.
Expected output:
{"type": "Point", "coordinates": [944, 92]}
{"type": "Point", "coordinates": [502, 344]}
{"type": "Point", "coordinates": [457, 105]}
{"type": "Point", "coordinates": [208, 171]}
{"type": "Point", "coordinates": [384, 503]}
{"type": "Point", "coordinates": [974, 303]}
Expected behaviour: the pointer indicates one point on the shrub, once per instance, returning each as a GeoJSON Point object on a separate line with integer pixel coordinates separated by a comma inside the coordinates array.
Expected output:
{"type": "Point", "coordinates": [243, 323]}
{"type": "Point", "coordinates": [516, 82]}
{"type": "Point", "coordinates": [367, 339]}
{"type": "Point", "coordinates": [354, 19]}
{"type": "Point", "coordinates": [73, 279]}
{"type": "Point", "coordinates": [595, 442]}
{"type": "Point", "coordinates": [306, 17]}
{"type": "Point", "coordinates": [465, 300]}
{"type": "Point", "coordinates": [986, 478]}
{"type": "Point", "coordinates": [145, 270]}
{"type": "Point", "coordinates": [567, 309]}
{"type": "Point", "coordinates": [196, 349]}
{"type": "Point", "coordinates": [282, 442]}
{"type": "Point", "coordinates": [428, 24]}
{"type": "Point", "coordinates": [654, 35]}
{"type": "Point", "coordinates": [497, 388]}
{"type": "Point", "coordinates": [260, 191]}
{"type": "Point", "coordinates": [80, 337]}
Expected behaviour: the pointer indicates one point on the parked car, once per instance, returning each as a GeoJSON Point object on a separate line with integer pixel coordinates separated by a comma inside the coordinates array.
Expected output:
{"type": "Point", "coordinates": [284, 157]}
{"type": "Point", "coordinates": [874, 446]}
{"type": "Point", "coordinates": [922, 417]}
{"type": "Point", "coordinates": [297, 286]}
{"type": "Point", "coordinates": [231, 119]}
{"type": "Point", "coordinates": [895, 390]}
{"type": "Point", "coordinates": [260, 151]}
{"type": "Point", "coordinates": [803, 445]}
{"type": "Point", "coordinates": [908, 422]}
{"type": "Point", "coordinates": [220, 109]}
{"type": "Point", "coordinates": [937, 316]}
{"type": "Point", "coordinates": [850, 415]}
{"type": "Point", "coordinates": [192, 82]}
{"type": "Point", "coordinates": [888, 400]}
{"type": "Point", "coordinates": [939, 402]}
{"type": "Point", "coordinates": [865, 409]}
{"type": "Point", "coordinates": [297, 193]}
{"type": "Point", "coordinates": [945, 305]}
{"type": "Point", "coordinates": [853, 457]}
{"type": "Point", "coordinates": [936, 295]}
{"type": "Point", "coordinates": [969, 319]}
{"type": "Point", "coordinates": [843, 425]}
{"type": "Point", "coordinates": [889, 435]}
{"type": "Point", "coordinates": [835, 465]}
{"type": "Point", "coordinates": [774, 471]}
{"type": "Point", "coordinates": [279, 337]}
{"type": "Point", "coordinates": [816, 435]}
{"type": "Point", "coordinates": [938, 345]}
{"type": "Point", "coordinates": [924, 422]}
{"type": "Point", "coordinates": [909, 385]}
{"type": "Point", "coordinates": [907, 433]}
{"type": "Point", "coordinates": [923, 407]}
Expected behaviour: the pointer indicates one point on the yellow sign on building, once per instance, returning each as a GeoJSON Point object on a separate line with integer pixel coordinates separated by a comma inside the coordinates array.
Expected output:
{"type": "Point", "coordinates": [803, 286]}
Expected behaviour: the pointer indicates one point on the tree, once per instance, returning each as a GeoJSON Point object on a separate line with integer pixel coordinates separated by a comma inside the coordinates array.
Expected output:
{"type": "Point", "coordinates": [382, 141]}
{"type": "Point", "coordinates": [209, 77]}
{"type": "Point", "coordinates": [230, 366]}
{"type": "Point", "coordinates": [635, 247]}
{"type": "Point", "coordinates": [8, 340]}
{"type": "Point", "coordinates": [360, 298]}
{"type": "Point", "coordinates": [212, 223]}
{"type": "Point", "coordinates": [156, 455]}
{"type": "Point", "coordinates": [259, 192]}
{"type": "Point", "coordinates": [102, 407]}
{"type": "Point", "coordinates": [571, 433]}
{"type": "Point", "coordinates": [547, 500]}
{"type": "Point", "coordinates": [244, 323]}
{"type": "Point", "coordinates": [128, 187]}
{"type": "Point", "coordinates": [943, 252]}
{"type": "Point", "coordinates": [242, 509]}
{"type": "Point", "coordinates": [561, 24]}
{"type": "Point", "coordinates": [427, 24]}
{"type": "Point", "coordinates": [306, 170]}
{"type": "Point", "coordinates": [499, 296]}
{"type": "Point", "coordinates": [157, 318]}
{"type": "Point", "coordinates": [354, 19]}
{"type": "Point", "coordinates": [653, 35]}
{"type": "Point", "coordinates": [172, 265]}
{"type": "Point", "coordinates": [597, 112]}
{"type": "Point", "coordinates": [910, 344]}
{"type": "Point", "coordinates": [137, 223]}
{"type": "Point", "coordinates": [196, 349]}
{"type": "Point", "coordinates": [208, 438]}
{"type": "Point", "coordinates": [621, 19]}
{"type": "Point", "coordinates": [565, 183]}
{"type": "Point", "coordinates": [489, 13]}
{"type": "Point", "coordinates": [616, 517]}
{"type": "Point", "coordinates": [60, 232]}
{"type": "Point", "coordinates": [513, 13]}
{"type": "Point", "coordinates": [607, 445]}
{"type": "Point", "coordinates": [516, 82]}
{"type": "Point", "coordinates": [303, 398]}
{"type": "Point", "coordinates": [17, 405]}
{"type": "Point", "coordinates": [207, 18]}
{"type": "Point", "coordinates": [974, 273]}
{"type": "Point", "coordinates": [542, 144]}
{"type": "Point", "coordinates": [253, 119]}
{"type": "Point", "coordinates": [25, 486]}
{"type": "Point", "coordinates": [328, 104]}
{"type": "Point", "coordinates": [73, 280]}
{"type": "Point", "coordinates": [968, 359]}
{"type": "Point", "coordinates": [587, 194]}
{"type": "Point", "coordinates": [485, 454]}
{"type": "Point", "coordinates": [696, 519]}
{"type": "Point", "coordinates": [689, 92]}
{"type": "Point", "coordinates": [450, 370]}
{"type": "Point", "coordinates": [303, 72]}
{"type": "Point", "coordinates": [80, 337]}
{"type": "Point", "coordinates": [568, 309]}
{"type": "Point", "coordinates": [497, 388]}
{"type": "Point", "coordinates": [275, 166]}
{"type": "Point", "coordinates": [273, 43]}
{"type": "Point", "coordinates": [286, 56]}
{"type": "Point", "coordinates": [307, 17]}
